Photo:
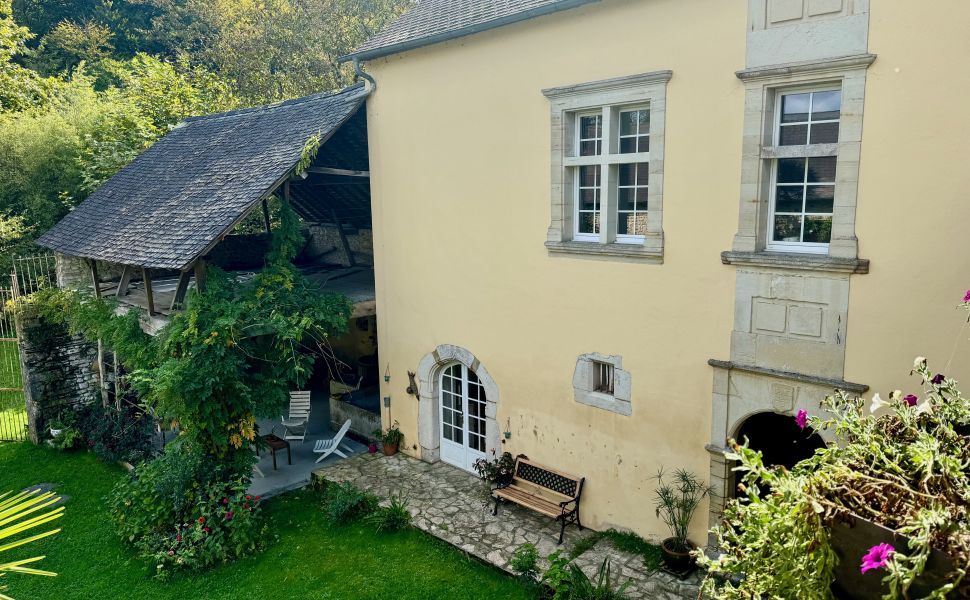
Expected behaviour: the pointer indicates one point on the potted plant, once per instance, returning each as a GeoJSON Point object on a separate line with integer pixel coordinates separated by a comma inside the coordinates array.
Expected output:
{"type": "Point", "coordinates": [880, 513]}
{"type": "Point", "coordinates": [497, 472]}
{"type": "Point", "coordinates": [675, 504]}
{"type": "Point", "coordinates": [57, 425]}
{"type": "Point", "coordinates": [390, 439]}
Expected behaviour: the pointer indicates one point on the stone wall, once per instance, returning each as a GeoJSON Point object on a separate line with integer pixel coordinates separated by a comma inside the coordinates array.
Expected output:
{"type": "Point", "coordinates": [60, 372]}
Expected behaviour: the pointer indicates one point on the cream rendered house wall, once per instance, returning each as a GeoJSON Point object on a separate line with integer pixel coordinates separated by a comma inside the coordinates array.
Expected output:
{"type": "Point", "coordinates": [460, 144]}
{"type": "Point", "coordinates": [913, 217]}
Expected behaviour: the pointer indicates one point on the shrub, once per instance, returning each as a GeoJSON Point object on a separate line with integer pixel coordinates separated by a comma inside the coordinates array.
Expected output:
{"type": "Point", "coordinates": [158, 493]}
{"type": "Point", "coordinates": [568, 582]}
{"type": "Point", "coordinates": [343, 503]}
{"type": "Point", "coordinates": [114, 435]}
{"type": "Point", "coordinates": [525, 561]}
{"type": "Point", "coordinates": [393, 517]}
{"type": "Point", "coordinates": [224, 525]}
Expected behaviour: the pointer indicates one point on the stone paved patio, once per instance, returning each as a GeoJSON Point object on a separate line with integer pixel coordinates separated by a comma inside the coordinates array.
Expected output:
{"type": "Point", "coordinates": [452, 505]}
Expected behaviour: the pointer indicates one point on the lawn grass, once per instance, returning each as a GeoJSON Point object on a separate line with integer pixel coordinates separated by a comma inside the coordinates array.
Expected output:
{"type": "Point", "coordinates": [308, 558]}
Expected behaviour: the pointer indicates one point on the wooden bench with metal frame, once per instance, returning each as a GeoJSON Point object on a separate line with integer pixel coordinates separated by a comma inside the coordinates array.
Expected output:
{"type": "Point", "coordinates": [544, 490]}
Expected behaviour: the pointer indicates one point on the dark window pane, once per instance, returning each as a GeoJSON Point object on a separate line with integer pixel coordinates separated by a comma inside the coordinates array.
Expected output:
{"type": "Point", "coordinates": [818, 229]}
{"type": "Point", "coordinates": [628, 174]}
{"type": "Point", "coordinates": [643, 173]}
{"type": "Point", "coordinates": [588, 199]}
{"type": "Point", "coordinates": [822, 169]}
{"type": "Point", "coordinates": [641, 198]}
{"type": "Point", "coordinates": [624, 223]}
{"type": "Point", "coordinates": [794, 108]}
{"type": "Point", "coordinates": [588, 148]}
{"type": "Point", "coordinates": [629, 122]}
{"type": "Point", "coordinates": [626, 199]}
{"type": "Point", "coordinates": [588, 223]}
{"type": "Point", "coordinates": [589, 127]}
{"type": "Point", "coordinates": [788, 198]}
{"type": "Point", "coordinates": [791, 170]}
{"type": "Point", "coordinates": [589, 176]}
{"type": "Point", "coordinates": [826, 105]}
{"type": "Point", "coordinates": [631, 223]}
{"type": "Point", "coordinates": [825, 133]}
{"type": "Point", "coordinates": [644, 143]}
{"type": "Point", "coordinates": [793, 135]}
{"type": "Point", "coordinates": [820, 199]}
{"type": "Point", "coordinates": [628, 145]}
{"type": "Point", "coordinates": [787, 228]}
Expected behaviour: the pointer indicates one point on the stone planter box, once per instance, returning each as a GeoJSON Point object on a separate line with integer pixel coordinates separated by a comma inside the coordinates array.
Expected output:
{"type": "Point", "coordinates": [362, 422]}
{"type": "Point", "coordinates": [854, 539]}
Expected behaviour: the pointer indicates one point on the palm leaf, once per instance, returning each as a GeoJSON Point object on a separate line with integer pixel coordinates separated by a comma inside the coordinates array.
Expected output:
{"type": "Point", "coordinates": [18, 514]}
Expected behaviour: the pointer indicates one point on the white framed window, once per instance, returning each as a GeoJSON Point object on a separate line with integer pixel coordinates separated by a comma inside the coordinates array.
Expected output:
{"type": "Point", "coordinates": [602, 377]}
{"type": "Point", "coordinates": [610, 170]}
{"type": "Point", "coordinates": [607, 159]}
{"type": "Point", "coordinates": [803, 172]}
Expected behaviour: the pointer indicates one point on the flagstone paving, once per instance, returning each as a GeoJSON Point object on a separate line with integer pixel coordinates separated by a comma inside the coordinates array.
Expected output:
{"type": "Point", "coordinates": [453, 505]}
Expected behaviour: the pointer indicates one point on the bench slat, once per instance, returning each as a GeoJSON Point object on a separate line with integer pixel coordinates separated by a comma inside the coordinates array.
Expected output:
{"type": "Point", "coordinates": [528, 500]}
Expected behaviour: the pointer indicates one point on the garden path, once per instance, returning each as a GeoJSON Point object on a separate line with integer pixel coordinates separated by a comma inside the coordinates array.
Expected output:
{"type": "Point", "coordinates": [453, 505]}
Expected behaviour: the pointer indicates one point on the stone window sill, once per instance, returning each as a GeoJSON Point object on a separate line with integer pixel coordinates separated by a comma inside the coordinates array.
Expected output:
{"type": "Point", "coordinates": [802, 262]}
{"type": "Point", "coordinates": [604, 401]}
{"type": "Point", "coordinates": [594, 249]}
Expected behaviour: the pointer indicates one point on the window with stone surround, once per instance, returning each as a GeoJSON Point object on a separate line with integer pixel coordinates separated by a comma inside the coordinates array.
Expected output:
{"type": "Point", "coordinates": [806, 132]}
{"type": "Point", "coordinates": [607, 167]}
{"type": "Point", "coordinates": [600, 381]}
{"type": "Point", "coordinates": [800, 164]}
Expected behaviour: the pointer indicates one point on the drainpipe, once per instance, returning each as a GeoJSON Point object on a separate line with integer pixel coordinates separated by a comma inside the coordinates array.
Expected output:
{"type": "Point", "coordinates": [369, 83]}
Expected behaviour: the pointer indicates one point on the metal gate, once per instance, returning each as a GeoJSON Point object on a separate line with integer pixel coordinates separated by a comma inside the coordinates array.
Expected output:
{"type": "Point", "coordinates": [30, 273]}
{"type": "Point", "coordinates": [13, 409]}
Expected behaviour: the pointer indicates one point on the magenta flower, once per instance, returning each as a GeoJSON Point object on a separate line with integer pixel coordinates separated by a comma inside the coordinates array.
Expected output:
{"type": "Point", "coordinates": [801, 419]}
{"type": "Point", "coordinates": [966, 297]}
{"type": "Point", "coordinates": [877, 557]}
{"type": "Point", "coordinates": [937, 379]}
{"type": "Point", "coordinates": [911, 399]}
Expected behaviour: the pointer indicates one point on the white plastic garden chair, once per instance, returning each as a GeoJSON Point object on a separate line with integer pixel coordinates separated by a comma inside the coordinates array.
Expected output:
{"type": "Point", "coordinates": [296, 424]}
{"type": "Point", "coordinates": [333, 446]}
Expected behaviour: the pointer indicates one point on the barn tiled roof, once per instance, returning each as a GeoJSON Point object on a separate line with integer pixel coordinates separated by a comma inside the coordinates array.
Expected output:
{"type": "Point", "coordinates": [432, 21]}
{"type": "Point", "coordinates": [177, 198]}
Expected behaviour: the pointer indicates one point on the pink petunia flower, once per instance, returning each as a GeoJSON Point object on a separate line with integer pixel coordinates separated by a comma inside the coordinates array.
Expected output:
{"type": "Point", "coordinates": [877, 557]}
{"type": "Point", "coordinates": [911, 399]}
{"type": "Point", "coordinates": [966, 297]}
{"type": "Point", "coordinates": [801, 419]}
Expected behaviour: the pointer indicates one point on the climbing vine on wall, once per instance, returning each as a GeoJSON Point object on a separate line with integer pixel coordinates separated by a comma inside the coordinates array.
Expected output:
{"type": "Point", "coordinates": [229, 358]}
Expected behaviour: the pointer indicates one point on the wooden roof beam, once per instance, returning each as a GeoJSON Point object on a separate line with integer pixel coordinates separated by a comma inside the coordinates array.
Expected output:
{"type": "Point", "coordinates": [341, 172]}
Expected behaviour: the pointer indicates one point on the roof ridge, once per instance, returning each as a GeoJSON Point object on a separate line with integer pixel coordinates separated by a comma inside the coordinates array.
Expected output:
{"type": "Point", "coordinates": [274, 105]}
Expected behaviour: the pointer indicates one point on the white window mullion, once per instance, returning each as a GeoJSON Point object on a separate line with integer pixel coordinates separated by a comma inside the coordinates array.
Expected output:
{"type": "Point", "coordinates": [608, 177]}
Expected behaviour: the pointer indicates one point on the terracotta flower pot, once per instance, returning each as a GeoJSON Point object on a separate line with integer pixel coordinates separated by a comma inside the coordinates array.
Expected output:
{"type": "Point", "coordinates": [852, 540]}
{"type": "Point", "coordinates": [676, 558]}
{"type": "Point", "coordinates": [390, 449]}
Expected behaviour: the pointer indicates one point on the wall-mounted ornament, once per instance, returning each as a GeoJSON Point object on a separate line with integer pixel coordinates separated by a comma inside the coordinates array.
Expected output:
{"type": "Point", "coordinates": [413, 387]}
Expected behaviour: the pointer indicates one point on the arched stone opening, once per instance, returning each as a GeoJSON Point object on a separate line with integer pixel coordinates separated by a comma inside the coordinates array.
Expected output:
{"type": "Point", "coordinates": [779, 439]}
{"type": "Point", "coordinates": [429, 411]}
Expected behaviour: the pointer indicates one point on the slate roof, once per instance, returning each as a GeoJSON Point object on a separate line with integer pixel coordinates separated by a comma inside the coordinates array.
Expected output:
{"type": "Point", "coordinates": [173, 202]}
{"type": "Point", "coordinates": [433, 21]}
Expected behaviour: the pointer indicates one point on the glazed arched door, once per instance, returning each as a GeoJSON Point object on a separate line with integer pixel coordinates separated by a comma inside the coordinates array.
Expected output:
{"type": "Point", "coordinates": [462, 405]}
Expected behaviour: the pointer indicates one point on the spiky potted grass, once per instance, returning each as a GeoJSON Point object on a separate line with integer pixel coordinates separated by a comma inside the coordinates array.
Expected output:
{"type": "Point", "coordinates": [675, 504]}
{"type": "Point", "coordinates": [17, 515]}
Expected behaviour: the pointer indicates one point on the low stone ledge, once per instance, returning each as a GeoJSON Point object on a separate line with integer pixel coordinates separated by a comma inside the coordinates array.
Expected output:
{"type": "Point", "coordinates": [835, 384]}
{"type": "Point", "coordinates": [594, 249]}
{"type": "Point", "coordinates": [796, 261]}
